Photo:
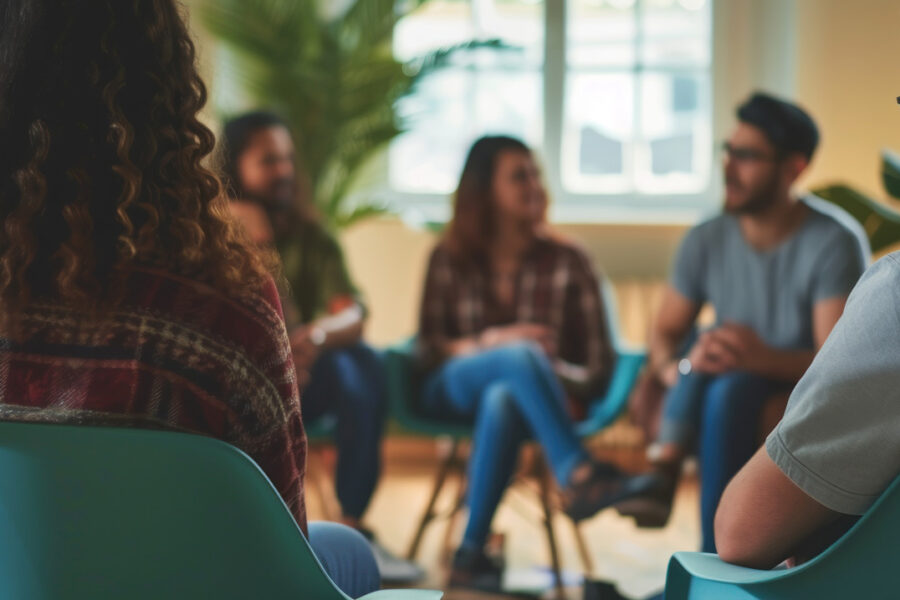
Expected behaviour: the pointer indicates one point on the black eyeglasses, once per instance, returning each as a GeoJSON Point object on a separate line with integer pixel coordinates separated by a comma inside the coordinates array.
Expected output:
{"type": "Point", "coordinates": [743, 154]}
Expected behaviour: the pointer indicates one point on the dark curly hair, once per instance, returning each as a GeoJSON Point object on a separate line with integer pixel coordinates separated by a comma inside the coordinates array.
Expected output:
{"type": "Point", "coordinates": [101, 160]}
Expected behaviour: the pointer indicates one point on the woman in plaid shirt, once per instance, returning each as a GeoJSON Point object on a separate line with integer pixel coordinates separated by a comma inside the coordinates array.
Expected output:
{"type": "Point", "coordinates": [513, 335]}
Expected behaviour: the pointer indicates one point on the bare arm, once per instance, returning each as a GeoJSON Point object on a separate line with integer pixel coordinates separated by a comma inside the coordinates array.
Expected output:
{"type": "Point", "coordinates": [764, 518]}
{"type": "Point", "coordinates": [673, 323]}
{"type": "Point", "coordinates": [750, 353]}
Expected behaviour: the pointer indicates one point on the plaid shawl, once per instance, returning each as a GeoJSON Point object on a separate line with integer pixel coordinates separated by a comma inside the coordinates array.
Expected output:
{"type": "Point", "coordinates": [174, 354]}
{"type": "Point", "coordinates": [556, 286]}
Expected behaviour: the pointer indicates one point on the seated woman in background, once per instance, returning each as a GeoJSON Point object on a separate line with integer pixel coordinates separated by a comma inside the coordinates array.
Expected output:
{"type": "Point", "coordinates": [126, 296]}
{"type": "Point", "coordinates": [513, 335]}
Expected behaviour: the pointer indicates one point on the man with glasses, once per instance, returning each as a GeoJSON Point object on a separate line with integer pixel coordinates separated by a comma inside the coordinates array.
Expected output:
{"type": "Point", "coordinates": [777, 271]}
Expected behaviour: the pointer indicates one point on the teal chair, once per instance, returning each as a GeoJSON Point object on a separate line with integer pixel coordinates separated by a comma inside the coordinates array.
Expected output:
{"type": "Point", "coordinates": [98, 512]}
{"type": "Point", "coordinates": [403, 388]}
{"type": "Point", "coordinates": [862, 564]}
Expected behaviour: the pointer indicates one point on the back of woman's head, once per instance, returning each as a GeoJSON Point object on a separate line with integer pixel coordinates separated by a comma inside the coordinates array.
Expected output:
{"type": "Point", "coordinates": [100, 161]}
{"type": "Point", "coordinates": [473, 207]}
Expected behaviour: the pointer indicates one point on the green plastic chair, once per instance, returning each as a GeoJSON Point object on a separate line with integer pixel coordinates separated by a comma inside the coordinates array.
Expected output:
{"type": "Point", "coordinates": [97, 512]}
{"type": "Point", "coordinates": [862, 564]}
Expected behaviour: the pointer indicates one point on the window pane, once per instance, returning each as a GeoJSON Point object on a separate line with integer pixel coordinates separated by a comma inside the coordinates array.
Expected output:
{"type": "Point", "coordinates": [598, 132]}
{"type": "Point", "coordinates": [485, 91]}
{"type": "Point", "coordinates": [674, 152]}
{"type": "Point", "coordinates": [676, 32]}
{"type": "Point", "coordinates": [601, 33]}
{"type": "Point", "coordinates": [637, 107]}
{"type": "Point", "coordinates": [452, 108]}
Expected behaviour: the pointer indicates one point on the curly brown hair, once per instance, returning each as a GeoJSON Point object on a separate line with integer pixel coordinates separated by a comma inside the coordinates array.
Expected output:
{"type": "Point", "coordinates": [101, 164]}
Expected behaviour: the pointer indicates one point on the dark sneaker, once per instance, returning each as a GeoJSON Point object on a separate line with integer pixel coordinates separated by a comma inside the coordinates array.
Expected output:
{"type": "Point", "coordinates": [474, 570]}
{"type": "Point", "coordinates": [603, 487]}
{"type": "Point", "coordinates": [650, 500]}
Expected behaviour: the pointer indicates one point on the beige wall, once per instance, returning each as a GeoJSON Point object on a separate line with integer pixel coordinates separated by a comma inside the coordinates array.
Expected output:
{"type": "Point", "coordinates": [848, 76]}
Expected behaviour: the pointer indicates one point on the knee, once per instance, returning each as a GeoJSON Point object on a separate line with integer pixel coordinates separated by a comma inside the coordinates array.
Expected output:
{"type": "Point", "coordinates": [520, 356]}
{"type": "Point", "coordinates": [346, 556]}
{"type": "Point", "coordinates": [732, 402]}
{"type": "Point", "coordinates": [499, 403]}
{"type": "Point", "coordinates": [360, 374]}
{"type": "Point", "coordinates": [727, 391]}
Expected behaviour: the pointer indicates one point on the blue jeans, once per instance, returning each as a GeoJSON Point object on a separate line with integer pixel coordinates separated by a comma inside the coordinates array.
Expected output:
{"type": "Point", "coordinates": [721, 413]}
{"type": "Point", "coordinates": [349, 384]}
{"type": "Point", "coordinates": [512, 394]}
{"type": "Point", "coordinates": [346, 556]}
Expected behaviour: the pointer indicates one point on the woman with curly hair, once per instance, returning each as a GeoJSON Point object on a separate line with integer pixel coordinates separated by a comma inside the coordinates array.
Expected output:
{"type": "Point", "coordinates": [127, 297]}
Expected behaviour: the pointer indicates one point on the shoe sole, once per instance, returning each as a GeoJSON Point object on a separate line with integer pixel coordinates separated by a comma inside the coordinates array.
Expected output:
{"type": "Point", "coordinates": [646, 513]}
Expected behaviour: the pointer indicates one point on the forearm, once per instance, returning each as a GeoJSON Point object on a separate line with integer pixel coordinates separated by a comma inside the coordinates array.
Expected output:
{"type": "Point", "coordinates": [342, 329]}
{"type": "Point", "coordinates": [782, 365]}
{"type": "Point", "coordinates": [663, 356]}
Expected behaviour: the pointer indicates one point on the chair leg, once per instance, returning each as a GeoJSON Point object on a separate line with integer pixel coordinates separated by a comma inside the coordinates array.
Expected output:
{"type": "Point", "coordinates": [583, 551]}
{"type": "Point", "coordinates": [544, 479]}
{"type": "Point", "coordinates": [430, 512]}
{"type": "Point", "coordinates": [453, 518]}
{"type": "Point", "coordinates": [317, 478]}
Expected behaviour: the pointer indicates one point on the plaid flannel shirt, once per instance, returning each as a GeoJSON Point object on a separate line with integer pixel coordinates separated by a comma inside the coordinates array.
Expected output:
{"type": "Point", "coordinates": [174, 354]}
{"type": "Point", "coordinates": [556, 286]}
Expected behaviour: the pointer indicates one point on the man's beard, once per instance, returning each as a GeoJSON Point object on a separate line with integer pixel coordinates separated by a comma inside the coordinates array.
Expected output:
{"type": "Point", "coordinates": [281, 196]}
{"type": "Point", "coordinates": [757, 202]}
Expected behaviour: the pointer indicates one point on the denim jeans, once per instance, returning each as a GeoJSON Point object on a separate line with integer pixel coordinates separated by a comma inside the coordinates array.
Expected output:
{"type": "Point", "coordinates": [349, 384]}
{"type": "Point", "coordinates": [346, 556]}
{"type": "Point", "coordinates": [720, 415]}
{"type": "Point", "coordinates": [512, 394]}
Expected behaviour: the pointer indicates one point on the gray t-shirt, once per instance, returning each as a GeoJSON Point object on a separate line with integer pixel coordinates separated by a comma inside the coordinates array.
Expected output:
{"type": "Point", "coordinates": [839, 440]}
{"type": "Point", "coordinates": [772, 292]}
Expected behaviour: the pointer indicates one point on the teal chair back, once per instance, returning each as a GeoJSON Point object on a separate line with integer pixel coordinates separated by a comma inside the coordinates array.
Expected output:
{"type": "Point", "coordinates": [97, 512]}
{"type": "Point", "coordinates": [864, 563]}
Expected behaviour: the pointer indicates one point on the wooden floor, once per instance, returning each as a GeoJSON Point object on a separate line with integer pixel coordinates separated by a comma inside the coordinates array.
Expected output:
{"type": "Point", "coordinates": [634, 559]}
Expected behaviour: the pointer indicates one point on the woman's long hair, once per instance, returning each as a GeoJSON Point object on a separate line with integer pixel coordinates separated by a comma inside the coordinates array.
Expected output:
{"type": "Point", "coordinates": [469, 233]}
{"type": "Point", "coordinates": [101, 155]}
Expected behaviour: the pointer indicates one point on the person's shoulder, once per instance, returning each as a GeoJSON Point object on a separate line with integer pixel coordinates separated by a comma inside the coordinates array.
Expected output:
{"type": "Point", "coordinates": [712, 225]}
{"type": "Point", "coordinates": [710, 231]}
{"type": "Point", "coordinates": [886, 270]}
{"type": "Point", "coordinates": [164, 290]}
{"type": "Point", "coordinates": [560, 248]}
{"type": "Point", "coordinates": [830, 224]}
{"type": "Point", "coordinates": [563, 245]}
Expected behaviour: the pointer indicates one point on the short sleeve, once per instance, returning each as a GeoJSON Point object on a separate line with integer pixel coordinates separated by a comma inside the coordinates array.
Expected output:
{"type": "Point", "coordinates": [838, 440]}
{"type": "Point", "coordinates": [689, 267]}
{"type": "Point", "coordinates": [841, 264]}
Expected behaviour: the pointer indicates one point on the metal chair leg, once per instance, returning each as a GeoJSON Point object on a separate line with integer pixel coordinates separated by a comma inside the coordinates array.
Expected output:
{"type": "Point", "coordinates": [430, 513]}
{"type": "Point", "coordinates": [453, 517]}
{"type": "Point", "coordinates": [319, 479]}
{"type": "Point", "coordinates": [543, 478]}
{"type": "Point", "coordinates": [583, 551]}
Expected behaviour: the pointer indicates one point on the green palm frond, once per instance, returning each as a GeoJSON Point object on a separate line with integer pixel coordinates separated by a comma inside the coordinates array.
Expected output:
{"type": "Point", "coordinates": [333, 78]}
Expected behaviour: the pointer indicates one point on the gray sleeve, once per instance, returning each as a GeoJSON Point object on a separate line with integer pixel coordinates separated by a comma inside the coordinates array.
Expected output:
{"type": "Point", "coordinates": [840, 266]}
{"type": "Point", "coordinates": [689, 267]}
{"type": "Point", "coordinates": [839, 440]}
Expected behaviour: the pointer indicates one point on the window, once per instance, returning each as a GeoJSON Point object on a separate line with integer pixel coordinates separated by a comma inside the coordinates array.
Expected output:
{"type": "Point", "coordinates": [629, 122]}
{"type": "Point", "coordinates": [482, 91]}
